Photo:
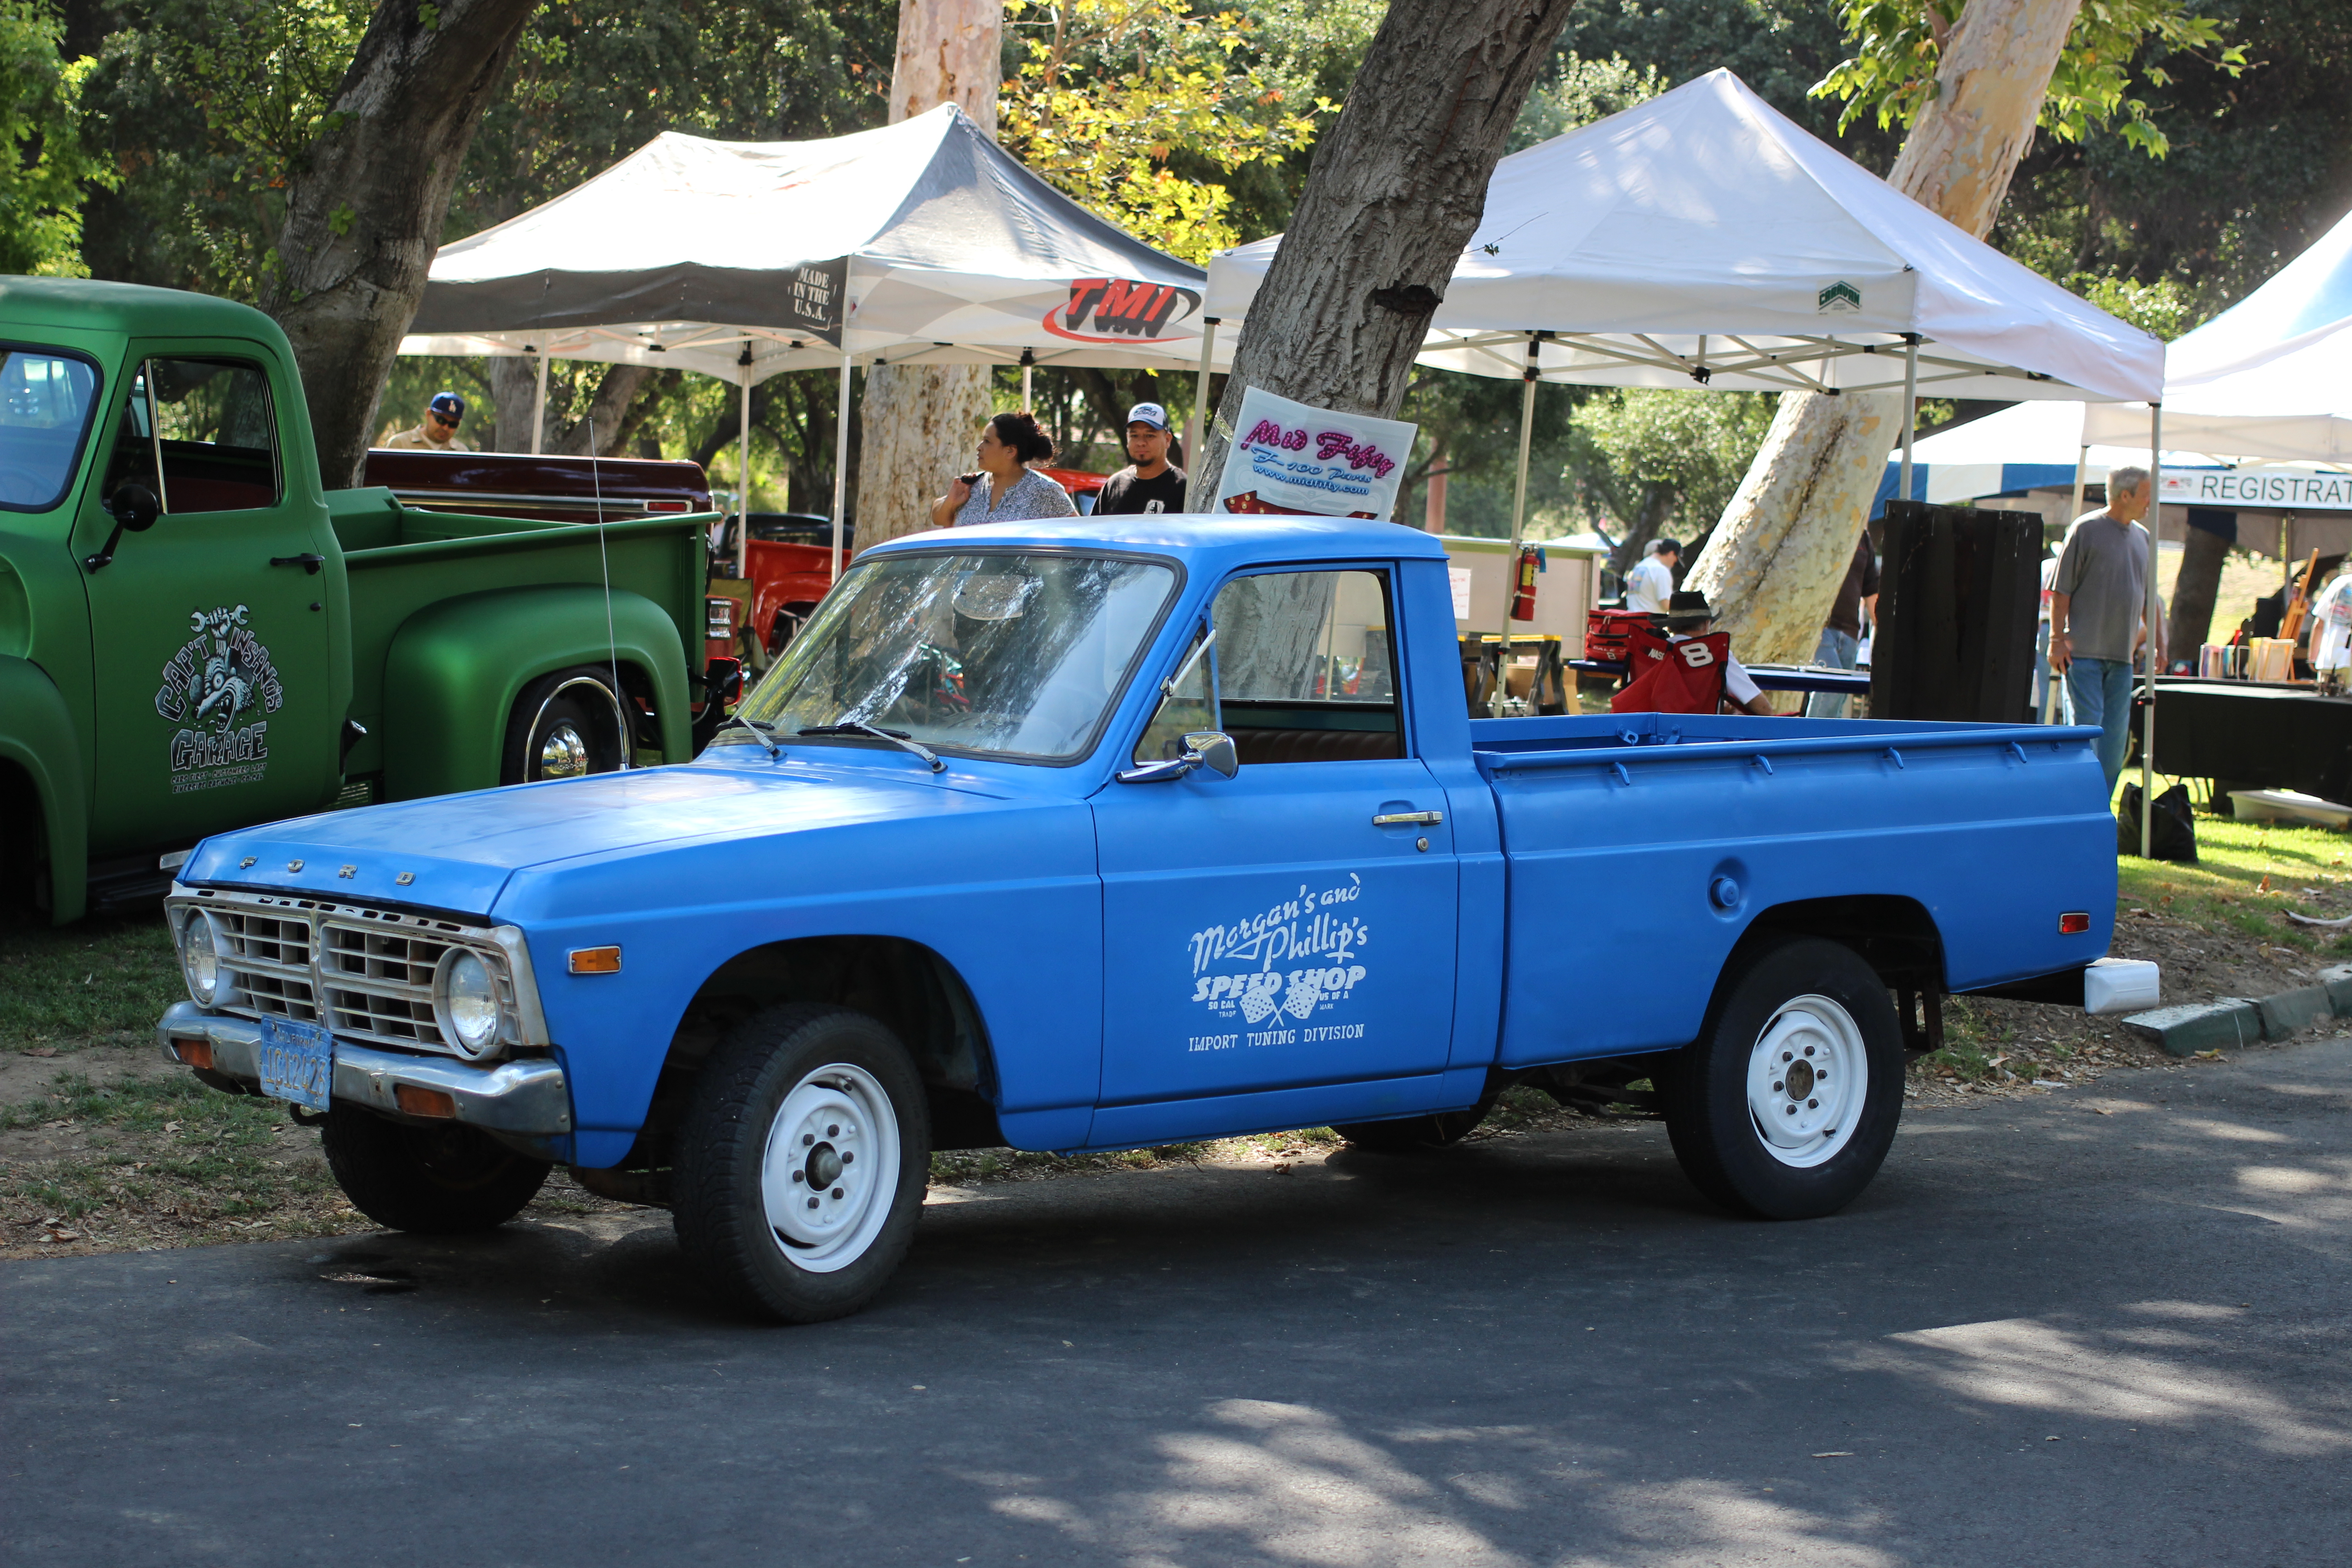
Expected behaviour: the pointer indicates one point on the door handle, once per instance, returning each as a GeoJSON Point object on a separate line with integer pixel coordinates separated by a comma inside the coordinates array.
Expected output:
{"type": "Point", "coordinates": [308, 562]}
{"type": "Point", "coordinates": [1398, 819]}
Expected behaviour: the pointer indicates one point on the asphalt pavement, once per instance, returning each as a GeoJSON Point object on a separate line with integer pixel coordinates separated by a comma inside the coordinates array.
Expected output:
{"type": "Point", "coordinates": [2046, 1334]}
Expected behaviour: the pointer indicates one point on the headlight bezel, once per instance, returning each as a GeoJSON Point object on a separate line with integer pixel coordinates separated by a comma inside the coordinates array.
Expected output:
{"type": "Point", "coordinates": [503, 1023]}
{"type": "Point", "coordinates": [223, 987]}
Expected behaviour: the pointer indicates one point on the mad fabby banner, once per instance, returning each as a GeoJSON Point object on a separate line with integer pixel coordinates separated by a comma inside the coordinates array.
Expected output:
{"type": "Point", "coordinates": [1290, 457]}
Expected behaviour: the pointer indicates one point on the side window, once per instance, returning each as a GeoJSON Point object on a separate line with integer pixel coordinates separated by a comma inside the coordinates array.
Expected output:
{"type": "Point", "coordinates": [202, 433]}
{"type": "Point", "coordinates": [1305, 668]}
{"type": "Point", "coordinates": [1186, 705]}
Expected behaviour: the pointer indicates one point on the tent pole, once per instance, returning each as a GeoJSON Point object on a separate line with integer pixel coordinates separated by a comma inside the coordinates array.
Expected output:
{"type": "Point", "coordinates": [743, 473]}
{"type": "Point", "coordinates": [539, 407]}
{"type": "Point", "coordinates": [2081, 479]}
{"type": "Point", "coordinates": [2155, 630]}
{"type": "Point", "coordinates": [1518, 525]}
{"type": "Point", "coordinates": [1910, 408]}
{"type": "Point", "coordinates": [1197, 427]}
{"type": "Point", "coordinates": [840, 463]}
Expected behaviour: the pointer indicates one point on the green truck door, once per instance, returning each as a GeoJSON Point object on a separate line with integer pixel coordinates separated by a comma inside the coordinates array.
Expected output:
{"type": "Point", "coordinates": [213, 686]}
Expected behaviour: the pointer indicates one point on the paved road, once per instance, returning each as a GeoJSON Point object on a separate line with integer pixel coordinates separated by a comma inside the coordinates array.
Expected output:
{"type": "Point", "coordinates": [1535, 1351]}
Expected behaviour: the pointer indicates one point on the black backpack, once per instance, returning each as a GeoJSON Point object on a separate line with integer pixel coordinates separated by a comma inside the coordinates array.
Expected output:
{"type": "Point", "coordinates": [2171, 836]}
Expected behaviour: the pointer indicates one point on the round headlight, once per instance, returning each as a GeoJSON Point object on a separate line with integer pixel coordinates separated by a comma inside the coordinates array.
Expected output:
{"type": "Point", "coordinates": [203, 952]}
{"type": "Point", "coordinates": [469, 1002]}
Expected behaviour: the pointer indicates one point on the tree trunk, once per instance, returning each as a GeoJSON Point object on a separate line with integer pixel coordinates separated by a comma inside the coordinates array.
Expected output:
{"type": "Point", "coordinates": [363, 217]}
{"type": "Point", "coordinates": [608, 414]}
{"type": "Point", "coordinates": [2194, 593]}
{"type": "Point", "coordinates": [1774, 563]}
{"type": "Point", "coordinates": [514, 390]}
{"type": "Point", "coordinates": [920, 422]}
{"type": "Point", "coordinates": [1396, 188]}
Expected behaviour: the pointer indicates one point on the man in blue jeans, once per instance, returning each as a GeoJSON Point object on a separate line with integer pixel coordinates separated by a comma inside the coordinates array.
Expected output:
{"type": "Point", "coordinates": [2097, 605]}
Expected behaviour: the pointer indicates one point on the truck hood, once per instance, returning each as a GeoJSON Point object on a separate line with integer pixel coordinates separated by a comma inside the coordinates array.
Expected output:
{"type": "Point", "coordinates": [457, 852]}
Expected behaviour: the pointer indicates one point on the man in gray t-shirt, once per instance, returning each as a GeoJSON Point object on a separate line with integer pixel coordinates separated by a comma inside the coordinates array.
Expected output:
{"type": "Point", "coordinates": [2097, 605]}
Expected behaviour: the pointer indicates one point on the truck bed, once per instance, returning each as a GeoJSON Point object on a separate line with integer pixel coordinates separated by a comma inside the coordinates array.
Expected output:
{"type": "Point", "coordinates": [1647, 845]}
{"type": "Point", "coordinates": [401, 559]}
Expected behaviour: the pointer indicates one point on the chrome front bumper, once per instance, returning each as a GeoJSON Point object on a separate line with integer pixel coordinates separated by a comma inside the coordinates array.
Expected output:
{"type": "Point", "coordinates": [525, 1104]}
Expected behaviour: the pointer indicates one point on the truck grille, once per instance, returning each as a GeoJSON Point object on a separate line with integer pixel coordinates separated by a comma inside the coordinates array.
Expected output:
{"type": "Point", "coordinates": [365, 974]}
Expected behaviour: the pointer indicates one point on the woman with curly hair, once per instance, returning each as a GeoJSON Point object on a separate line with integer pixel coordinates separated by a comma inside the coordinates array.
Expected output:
{"type": "Point", "coordinates": [1004, 490]}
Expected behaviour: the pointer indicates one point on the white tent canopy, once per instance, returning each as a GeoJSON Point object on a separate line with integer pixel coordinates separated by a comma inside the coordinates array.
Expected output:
{"type": "Point", "coordinates": [2267, 378]}
{"type": "Point", "coordinates": [923, 241]}
{"type": "Point", "coordinates": [1703, 238]}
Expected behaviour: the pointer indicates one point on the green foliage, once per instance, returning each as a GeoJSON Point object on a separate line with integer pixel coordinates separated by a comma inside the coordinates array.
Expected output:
{"type": "Point", "coordinates": [1110, 90]}
{"type": "Point", "coordinates": [1580, 92]}
{"type": "Point", "coordinates": [1655, 462]}
{"type": "Point", "coordinates": [44, 160]}
{"type": "Point", "coordinates": [1891, 75]}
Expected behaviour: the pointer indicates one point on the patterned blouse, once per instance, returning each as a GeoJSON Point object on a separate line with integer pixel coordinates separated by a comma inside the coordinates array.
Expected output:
{"type": "Point", "coordinates": [1033, 495]}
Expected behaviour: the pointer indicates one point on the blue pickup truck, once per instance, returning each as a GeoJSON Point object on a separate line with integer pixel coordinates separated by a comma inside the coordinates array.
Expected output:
{"type": "Point", "coordinates": [1117, 832]}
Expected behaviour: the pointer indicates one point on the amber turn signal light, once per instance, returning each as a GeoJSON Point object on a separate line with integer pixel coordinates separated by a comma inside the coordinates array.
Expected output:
{"type": "Point", "coordinates": [595, 961]}
{"type": "Point", "coordinates": [424, 1101]}
{"type": "Point", "coordinates": [2074, 922]}
{"type": "Point", "coordinates": [196, 1053]}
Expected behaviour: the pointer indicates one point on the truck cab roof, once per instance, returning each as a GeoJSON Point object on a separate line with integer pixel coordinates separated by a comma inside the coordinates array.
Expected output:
{"type": "Point", "coordinates": [1205, 543]}
{"type": "Point", "coordinates": [87, 305]}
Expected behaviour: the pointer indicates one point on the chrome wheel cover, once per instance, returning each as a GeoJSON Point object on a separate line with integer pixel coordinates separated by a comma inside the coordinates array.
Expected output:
{"type": "Point", "coordinates": [1808, 1080]}
{"type": "Point", "coordinates": [830, 1170]}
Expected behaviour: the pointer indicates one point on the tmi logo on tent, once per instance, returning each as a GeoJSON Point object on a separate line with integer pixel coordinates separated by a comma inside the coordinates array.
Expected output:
{"type": "Point", "coordinates": [1838, 297]}
{"type": "Point", "coordinates": [1121, 310]}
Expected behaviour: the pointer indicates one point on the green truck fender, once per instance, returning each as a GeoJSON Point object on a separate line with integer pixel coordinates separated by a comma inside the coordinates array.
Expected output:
{"type": "Point", "coordinates": [455, 670]}
{"type": "Point", "coordinates": [39, 740]}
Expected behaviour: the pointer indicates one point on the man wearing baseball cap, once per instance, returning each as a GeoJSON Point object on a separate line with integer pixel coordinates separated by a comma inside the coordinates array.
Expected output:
{"type": "Point", "coordinates": [438, 432]}
{"type": "Point", "coordinates": [1149, 483]}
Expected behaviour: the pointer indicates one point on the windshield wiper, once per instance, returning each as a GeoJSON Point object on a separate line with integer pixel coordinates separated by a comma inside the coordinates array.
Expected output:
{"type": "Point", "coordinates": [898, 738]}
{"type": "Point", "coordinates": [759, 732]}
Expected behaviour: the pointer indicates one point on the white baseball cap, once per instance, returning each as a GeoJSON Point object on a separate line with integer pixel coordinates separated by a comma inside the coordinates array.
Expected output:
{"type": "Point", "coordinates": [1149, 414]}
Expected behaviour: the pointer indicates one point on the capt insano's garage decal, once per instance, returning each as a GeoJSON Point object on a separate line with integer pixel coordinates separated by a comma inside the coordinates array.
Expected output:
{"type": "Point", "coordinates": [215, 689]}
{"type": "Point", "coordinates": [1249, 969]}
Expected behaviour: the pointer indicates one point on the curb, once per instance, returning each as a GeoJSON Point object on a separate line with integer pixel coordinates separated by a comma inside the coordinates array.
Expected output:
{"type": "Point", "coordinates": [2233, 1021]}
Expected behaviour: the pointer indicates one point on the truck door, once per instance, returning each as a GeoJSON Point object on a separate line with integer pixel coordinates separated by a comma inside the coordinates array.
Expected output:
{"type": "Point", "coordinates": [1293, 925]}
{"type": "Point", "coordinates": [213, 690]}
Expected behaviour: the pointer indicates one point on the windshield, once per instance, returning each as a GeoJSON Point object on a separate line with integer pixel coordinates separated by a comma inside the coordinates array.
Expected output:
{"type": "Point", "coordinates": [1007, 654]}
{"type": "Point", "coordinates": [47, 398]}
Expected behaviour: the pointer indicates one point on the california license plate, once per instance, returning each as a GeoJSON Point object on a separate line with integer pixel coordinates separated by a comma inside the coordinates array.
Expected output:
{"type": "Point", "coordinates": [297, 1062]}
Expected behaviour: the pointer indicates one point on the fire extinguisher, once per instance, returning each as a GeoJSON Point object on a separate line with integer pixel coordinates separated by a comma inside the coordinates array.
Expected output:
{"type": "Point", "coordinates": [1523, 591]}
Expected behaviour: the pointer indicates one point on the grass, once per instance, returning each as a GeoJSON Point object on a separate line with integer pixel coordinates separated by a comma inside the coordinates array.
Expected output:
{"type": "Point", "coordinates": [61, 989]}
{"type": "Point", "coordinates": [2246, 874]}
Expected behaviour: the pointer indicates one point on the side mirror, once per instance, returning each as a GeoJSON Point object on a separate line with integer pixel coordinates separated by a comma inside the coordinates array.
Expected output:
{"type": "Point", "coordinates": [1215, 750]}
{"type": "Point", "coordinates": [1202, 748]}
{"type": "Point", "coordinates": [135, 507]}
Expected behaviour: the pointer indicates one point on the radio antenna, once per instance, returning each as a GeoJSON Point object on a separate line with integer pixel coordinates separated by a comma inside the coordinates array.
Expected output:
{"type": "Point", "coordinates": [605, 559]}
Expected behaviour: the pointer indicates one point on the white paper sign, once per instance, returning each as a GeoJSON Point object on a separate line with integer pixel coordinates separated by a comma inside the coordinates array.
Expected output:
{"type": "Point", "coordinates": [1290, 457]}
{"type": "Point", "coordinates": [2280, 490]}
{"type": "Point", "coordinates": [1459, 577]}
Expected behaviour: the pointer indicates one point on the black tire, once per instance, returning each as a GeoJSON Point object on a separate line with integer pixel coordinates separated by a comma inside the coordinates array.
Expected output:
{"type": "Point", "coordinates": [438, 1181]}
{"type": "Point", "coordinates": [1822, 1163]}
{"type": "Point", "coordinates": [835, 1075]}
{"type": "Point", "coordinates": [1410, 1134]}
{"type": "Point", "coordinates": [565, 724]}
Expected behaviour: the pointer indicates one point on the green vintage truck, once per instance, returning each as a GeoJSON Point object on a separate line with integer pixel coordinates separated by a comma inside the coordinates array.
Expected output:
{"type": "Point", "coordinates": [196, 634]}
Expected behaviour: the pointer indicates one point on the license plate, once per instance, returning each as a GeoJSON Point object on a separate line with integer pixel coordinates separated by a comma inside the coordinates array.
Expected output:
{"type": "Point", "coordinates": [297, 1062]}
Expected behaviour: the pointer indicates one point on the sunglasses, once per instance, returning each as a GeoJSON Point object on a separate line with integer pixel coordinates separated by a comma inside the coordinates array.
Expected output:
{"type": "Point", "coordinates": [442, 419]}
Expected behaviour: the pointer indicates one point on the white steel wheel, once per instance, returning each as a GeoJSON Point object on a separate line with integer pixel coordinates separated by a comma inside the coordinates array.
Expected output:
{"type": "Point", "coordinates": [1808, 1079]}
{"type": "Point", "coordinates": [831, 1168]}
{"type": "Point", "coordinates": [1787, 1103]}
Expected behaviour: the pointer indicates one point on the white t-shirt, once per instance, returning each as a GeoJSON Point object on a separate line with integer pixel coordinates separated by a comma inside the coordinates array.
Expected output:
{"type": "Point", "coordinates": [2332, 613]}
{"type": "Point", "coordinates": [1649, 586]}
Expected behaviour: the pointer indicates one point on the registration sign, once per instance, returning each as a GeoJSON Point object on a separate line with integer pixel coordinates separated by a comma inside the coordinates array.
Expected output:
{"type": "Point", "coordinates": [297, 1062]}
